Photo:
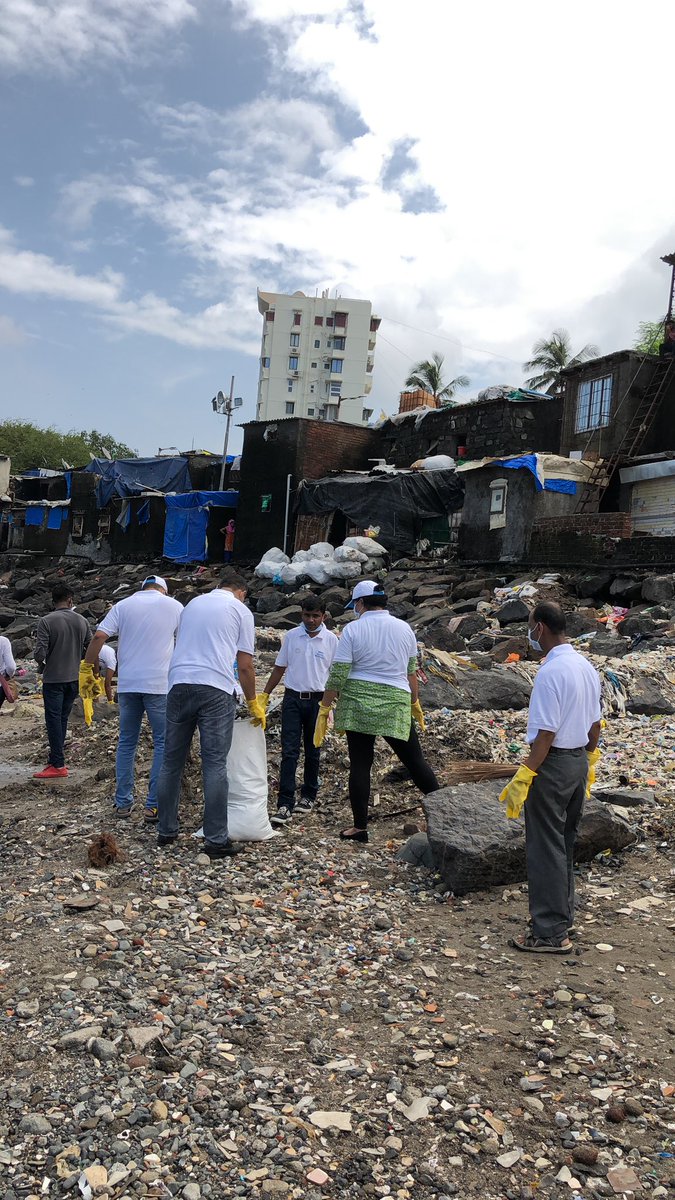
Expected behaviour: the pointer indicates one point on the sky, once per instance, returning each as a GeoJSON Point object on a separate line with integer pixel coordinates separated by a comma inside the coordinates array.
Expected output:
{"type": "Point", "coordinates": [483, 173]}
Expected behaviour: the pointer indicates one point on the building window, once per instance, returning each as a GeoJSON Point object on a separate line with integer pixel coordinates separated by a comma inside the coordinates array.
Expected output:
{"type": "Point", "coordinates": [311, 387]}
{"type": "Point", "coordinates": [295, 339]}
{"type": "Point", "coordinates": [341, 320]}
{"type": "Point", "coordinates": [336, 366]}
{"type": "Point", "coordinates": [310, 412]}
{"type": "Point", "coordinates": [270, 315]}
{"type": "Point", "coordinates": [314, 364]}
{"type": "Point", "coordinates": [498, 489]}
{"type": "Point", "coordinates": [290, 384]}
{"type": "Point", "coordinates": [366, 415]}
{"type": "Point", "coordinates": [290, 408]}
{"type": "Point", "coordinates": [594, 403]}
{"type": "Point", "coordinates": [329, 321]}
{"type": "Point", "coordinates": [297, 318]}
{"type": "Point", "coordinates": [339, 343]}
{"type": "Point", "coordinates": [326, 366]}
{"type": "Point", "coordinates": [317, 344]}
{"type": "Point", "coordinates": [335, 387]}
{"type": "Point", "coordinates": [318, 320]}
{"type": "Point", "coordinates": [293, 362]}
{"type": "Point", "coordinates": [374, 324]}
{"type": "Point", "coordinates": [265, 362]}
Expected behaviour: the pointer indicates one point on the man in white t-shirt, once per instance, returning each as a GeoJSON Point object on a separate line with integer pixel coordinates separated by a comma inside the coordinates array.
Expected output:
{"type": "Point", "coordinates": [306, 657]}
{"type": "Point", "coordinates": [107, 662]}
{"type": "Point", "coordinates": [563, 730]}
{"type": "Point", "coordinates": [216, 630]}
{"type": "Point", "coordinates": [146, 625]}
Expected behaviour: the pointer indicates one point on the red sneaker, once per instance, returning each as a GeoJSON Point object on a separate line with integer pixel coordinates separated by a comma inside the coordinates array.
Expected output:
{"type": "Point", "coordinates": [51, 773]}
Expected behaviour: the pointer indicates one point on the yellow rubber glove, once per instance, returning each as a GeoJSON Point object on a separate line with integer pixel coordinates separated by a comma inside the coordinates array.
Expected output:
{"type": "Point", "coordinates": [88, 707]}
{"type": "Point", "coordinates": [418, 715]}
{"type": "Point", "coordinates": [87, 681]}
{"type": "Point", "coordinates": [321, 724]}
{"type": "Point", "coordinates": [515, 793]}
{"type": "Point", "coordinates": [258, 711]}
{"type": "Point", "coordinates": [593, 757]}
{"type": "Point", "coordinates": [264, 699]}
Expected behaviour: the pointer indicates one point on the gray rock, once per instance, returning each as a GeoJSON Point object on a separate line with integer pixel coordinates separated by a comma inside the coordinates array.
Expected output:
{"type": "Point", "coordinates": [606, 646]}
{"type": "Point", "coordinates": [513, 611]}
{"type": "Point", "coordinates": [192, 1191]}
{"type": "Point", "coordinates": [27, 1008]}
{"type": "Point", "coordinates": [35, 1123]}
{"type": "Point", "coordinates": [80, 1037]}
{"type": "Point", "coordinates": [103, 1050]}
{"type": "Point", "coordinates": [647, 699]}
{"type": "Point", "coordinates": [498, 688]}
{"type": "Point", "coordinates": [417, 852]}
{"type": "Point", "coordinates": [623, 797]}
{"type": "Point", "coordinates": [475, 846]}
{"type": "Point", "coordinates": [269, 601]}
{"type": "Point", "coordinates": [658, 589]}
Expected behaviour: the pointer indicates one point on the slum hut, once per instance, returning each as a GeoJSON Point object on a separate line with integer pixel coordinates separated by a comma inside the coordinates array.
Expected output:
{"type": "Point", "coordinates": [405, 507]}
{"type": "Point", "coordinates": [505, 496]}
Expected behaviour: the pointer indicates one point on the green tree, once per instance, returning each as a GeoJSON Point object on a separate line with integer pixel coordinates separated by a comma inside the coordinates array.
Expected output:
{"type": "Point", "coordinates": [28, 445]}
{"type": "Point", "coordinates": [550, 356]}
{"type": "Point", "coordinates": [428, 376]}
{"type": "Point", "coordinates": [649, 336]}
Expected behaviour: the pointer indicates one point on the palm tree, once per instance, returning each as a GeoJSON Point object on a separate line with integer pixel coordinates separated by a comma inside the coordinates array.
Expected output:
{"type": "Point", "coordinates": [428, 376]}
{"type": "Point", "coordinates": [550, 356]}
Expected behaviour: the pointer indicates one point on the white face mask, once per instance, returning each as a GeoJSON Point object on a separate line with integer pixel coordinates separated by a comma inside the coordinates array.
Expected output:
{"type": "Point", "coordinates": [533, 641]}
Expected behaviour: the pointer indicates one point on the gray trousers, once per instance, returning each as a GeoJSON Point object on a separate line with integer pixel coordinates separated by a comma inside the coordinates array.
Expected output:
{"type": "Point", "coordinates": [188, 706]}
{"type": "Point", "coordinates": [552, 815]}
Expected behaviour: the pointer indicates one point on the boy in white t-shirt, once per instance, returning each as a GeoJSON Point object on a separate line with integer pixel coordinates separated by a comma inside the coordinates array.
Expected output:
{"type": "Point", "coordinates": [306, 657]}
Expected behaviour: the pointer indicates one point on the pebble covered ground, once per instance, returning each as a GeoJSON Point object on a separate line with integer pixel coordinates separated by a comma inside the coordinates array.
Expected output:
{"type": "Point", "coordinates": [311, 1018]}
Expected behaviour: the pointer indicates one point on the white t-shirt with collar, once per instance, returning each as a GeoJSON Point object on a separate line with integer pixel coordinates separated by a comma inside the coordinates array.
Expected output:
{"type": "Point", "coordinates": [565, 698]}
{"type": "Point", "coordinates": [379, 647]}
{"type": "Point", "coordinates": [213, 629]}
{"type": "Point", "coordinates": [146, 625]}
{"type": "Point", "coordinates": [107, 658]}
{"type": "Point", "coordinates": [307, 659]}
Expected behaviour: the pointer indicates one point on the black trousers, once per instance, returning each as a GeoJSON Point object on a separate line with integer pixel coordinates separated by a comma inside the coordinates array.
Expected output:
{"type": "Point", "coordinates": [298, 718]}
{"type": "Point", "coordinates": [58, 699]}
{"type": "Point", "coordinates": [361, 751]}
{"type": "Point", "coordinates": [552, 815]}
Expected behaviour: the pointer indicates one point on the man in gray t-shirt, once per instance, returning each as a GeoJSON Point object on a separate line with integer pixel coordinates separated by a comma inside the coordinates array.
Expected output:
{"type": "Point", "coordinates": [61, 640]}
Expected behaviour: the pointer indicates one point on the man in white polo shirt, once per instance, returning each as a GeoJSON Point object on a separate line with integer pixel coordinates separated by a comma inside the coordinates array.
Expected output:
{"type": "Point", "coordinates": [146, 625]}
{"type": "Point", "coordinates": [216, 630]}
{"type": "Point", "coordinates": [306, 657]}
{"type": "Point", "coordinates": [563, 730]}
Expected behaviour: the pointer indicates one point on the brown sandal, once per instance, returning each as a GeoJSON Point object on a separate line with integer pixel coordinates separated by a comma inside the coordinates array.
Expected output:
{"type": "Point", "coordinates": [530, 944]}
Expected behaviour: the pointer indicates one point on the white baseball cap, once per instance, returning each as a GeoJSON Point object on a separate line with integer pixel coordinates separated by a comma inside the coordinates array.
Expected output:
{"type": "Point", "coordinates": [154, 581]}
{"type": "Point", "coordinates": [365, 587]}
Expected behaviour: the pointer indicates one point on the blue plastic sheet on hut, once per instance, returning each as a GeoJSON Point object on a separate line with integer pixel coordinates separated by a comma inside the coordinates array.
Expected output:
{"type": "Point", "coordinates": [56, 517]}
{"type": "Point", "coordinates": [35, 514]}
{"type": "Point", "coordinates": [187, 519]}
{"type": "Point", "coordinates": [143, 514]}
{"type": "Point", "coordinates": [131, 476]}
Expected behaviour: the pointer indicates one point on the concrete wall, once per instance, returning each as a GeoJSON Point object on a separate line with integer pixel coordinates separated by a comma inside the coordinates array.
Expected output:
{"type": "Point", "coordinates": [524, 504]}
{"type": "Point", "coordinates": [5, 468]}
{"type": "Point", "coordinates": [303, 449]}
{"type": "Point", "coordinates": [630, 375]}
{"type": "Point", "coordinates": [486, 428]}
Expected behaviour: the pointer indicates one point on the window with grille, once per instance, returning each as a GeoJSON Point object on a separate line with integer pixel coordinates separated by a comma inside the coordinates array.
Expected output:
{"type": "Point", "coordinates": [295, 339]}
{"type": "Point", "coordinates": [594, 403]}
{"type": "Point", "coordinates": [293, 362]}
{"type": "Point", "coordinates": [336, 366]}
{"type": "Point", "coordinates": [290, 408]}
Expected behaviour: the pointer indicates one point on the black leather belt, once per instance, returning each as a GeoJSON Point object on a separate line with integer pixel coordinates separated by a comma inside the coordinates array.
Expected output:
{"type": "Point", "coordinates": [566, 749]}
{"type": "Point", "coordinates": [305, 695]}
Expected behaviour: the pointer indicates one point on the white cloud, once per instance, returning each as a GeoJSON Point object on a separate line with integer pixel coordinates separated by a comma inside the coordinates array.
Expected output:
{"type": "Point", "coordinates": [49, 34]}
{"type": "Point", "coordinates": [24, 181]}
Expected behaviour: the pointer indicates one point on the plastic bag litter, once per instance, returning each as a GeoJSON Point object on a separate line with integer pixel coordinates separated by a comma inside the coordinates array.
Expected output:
{"type": "Point", "coordinates": [321, 550]}
{"type": "Point", "coordinates": [522, 591]}
{"type": "Point", "coordinates": [275, 555]}
{"type": "Point", "coordinates": [301, 556]}
{"type": "Point", "coordinates": [319, 570]}
{"type": "Point", "coordinates": [291, 572]}
{"type": "Point", "coordinates": [435, 462]}
{"type": "Point", "coordinates": [345, 570]}
{"type": "Point", "coordinates": [367, 546]}
{"type": "Point", "coordinates": [270, 563]}
{"type": "Point", "coordinates": [247, 819]}
{"type": "Point", "coordinates": [350, 554]}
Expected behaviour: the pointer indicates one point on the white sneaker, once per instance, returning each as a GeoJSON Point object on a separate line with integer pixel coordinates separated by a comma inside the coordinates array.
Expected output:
{"type": "Point", "coordinates": [282, 816]}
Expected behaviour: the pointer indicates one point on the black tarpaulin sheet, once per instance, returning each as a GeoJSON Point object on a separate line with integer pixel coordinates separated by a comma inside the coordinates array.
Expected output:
{"type": "Point", "coordinates": [397, 503]}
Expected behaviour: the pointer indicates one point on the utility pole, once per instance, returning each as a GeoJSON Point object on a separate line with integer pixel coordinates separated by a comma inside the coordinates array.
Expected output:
{"type": "Point", "coordinates": [669, 260]}
{"type": "Point", "coordinates": [226, 405]}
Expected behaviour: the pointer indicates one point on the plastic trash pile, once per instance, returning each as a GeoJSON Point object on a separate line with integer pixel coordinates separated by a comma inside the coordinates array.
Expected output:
{"type": "Point", "coordinates": [324, 564]}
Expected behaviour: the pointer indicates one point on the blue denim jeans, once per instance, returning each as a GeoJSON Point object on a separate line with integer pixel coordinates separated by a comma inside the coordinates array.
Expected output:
{"type": "Point", "coordinates": [58, 699]}
{"type": "Point", "coordinates": [132, 705]}
{"type": "Point", "coordinates": [298, 718]}
{"type": "Point", "coordinates": [191, 706]}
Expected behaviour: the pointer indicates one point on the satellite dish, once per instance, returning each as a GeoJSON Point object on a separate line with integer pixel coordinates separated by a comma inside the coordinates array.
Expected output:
{"type": "Point", "coordinates": [66, 466]}
{"type": "Point", "coordinates": [106, 454]}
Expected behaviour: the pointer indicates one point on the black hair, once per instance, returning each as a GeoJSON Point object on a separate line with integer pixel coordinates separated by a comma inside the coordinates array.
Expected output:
{"type": "Point", "coordinates": [376, 600]}
{"type": "Point", "coordinates": [232, 579]}
{"type": "Point", "coordinates": [551, 615]}
{"type": "Point", "coordinates": [61, 592]}
{"type": "Point", "coordinates": [313, 604]}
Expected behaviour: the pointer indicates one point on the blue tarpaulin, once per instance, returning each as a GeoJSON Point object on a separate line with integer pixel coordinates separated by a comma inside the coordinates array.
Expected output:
{"type": "Point", "coordinates": [131, 476]}
{"type": "Point", "coordinates": [143, 514]}
{"type": "Point", "coordinates": [527, 462]}
{"type": "Point", "coordinates": [561, 485]}
{"type": "Point", "coordinates": [56, 517]}
{"type": "Point", "coordinates": [187, 518]}
{"type": "Point", "coordinates": [35, 515]}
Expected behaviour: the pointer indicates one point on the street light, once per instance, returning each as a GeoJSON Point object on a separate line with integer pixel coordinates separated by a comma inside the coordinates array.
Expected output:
{"type": "Point", "coordinates": [225, 405]}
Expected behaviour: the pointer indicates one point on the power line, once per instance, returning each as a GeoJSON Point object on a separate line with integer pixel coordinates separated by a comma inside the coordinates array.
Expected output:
{"type": "Point", "coordinates": [442, 337]}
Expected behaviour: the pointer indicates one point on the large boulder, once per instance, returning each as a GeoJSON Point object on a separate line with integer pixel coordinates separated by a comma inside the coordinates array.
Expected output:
{"type": "Point", "coordinates": [477, 690]}
{"type": "Point", "coordinates": [286, 618]}
{"type": "Point", "coordinates": [270, 601]}
{"type": "Point", "coordinates": [473, 587]}
{"type": "Point", "coordinates": [578, 623]}
{"type": "Point", "coordinates": [658, 589]}
{"type": "Point", "coordinates": [437, 635]}
{"type": "Point", "coordinates": [647, 699]}
{"type": "Point", "coordinates": [626, 590]}
{"type": "Point", "coordinates": [27, 586]}
{"type": "Point", "coordinates": [21, 627]}
{"type": "Point", "coordinates": [475, 846]}
{"type": "Point", "coordinates": [596, 585]}
{"type": "Point", "coordinates": [513, 611]}
{"type": "Point", "coordinates": [607, 646]}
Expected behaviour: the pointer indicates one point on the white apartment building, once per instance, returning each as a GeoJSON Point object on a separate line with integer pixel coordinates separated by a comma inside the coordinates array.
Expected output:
{"type": "Point", "coordinates": [316, 357]}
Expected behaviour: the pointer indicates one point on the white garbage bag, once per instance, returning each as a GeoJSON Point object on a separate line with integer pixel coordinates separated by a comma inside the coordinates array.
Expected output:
{"type": "Point", "coordinates": [290, 572]}
{"type": "Point", "coordinates": [435, 462]}
{"type": "Point", "coordinates": [319, 570]}
{"type": "Point", "coordinates": [321, 550]}
{"type": "Point", "coordinates": [367, 546]}
{"type": "Point", "coordinates": [247, 819]}
{"type": "Point", "coordinates": [275, 555]}
{"type": "Point", "coordinates": [267, 570]}
{"type": "Point", "coordinates": [349, 554]}
{"type": "Point", "coordinates": [345, 570]}
{"type": "Point", "coordinates": [301, 556]}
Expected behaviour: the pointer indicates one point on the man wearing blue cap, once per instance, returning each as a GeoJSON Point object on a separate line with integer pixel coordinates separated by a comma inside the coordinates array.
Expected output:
{"type": "Point", "coordinates": [146, 625]}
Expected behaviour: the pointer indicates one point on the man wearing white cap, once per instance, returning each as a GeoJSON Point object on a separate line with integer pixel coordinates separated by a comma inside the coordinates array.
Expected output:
{"type": "Point", "coordinates": [146, 625]}
{"type": "Point", "coordinates": [374, 676]}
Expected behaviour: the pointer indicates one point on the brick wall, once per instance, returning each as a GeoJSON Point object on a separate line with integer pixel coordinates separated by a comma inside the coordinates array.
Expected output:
{"type": "Point", "coordinates": [630, 375]}
{"type": "Point", "coordinates": [333, 446]}
{"type": "Point", "coordinates": [616, 525]}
